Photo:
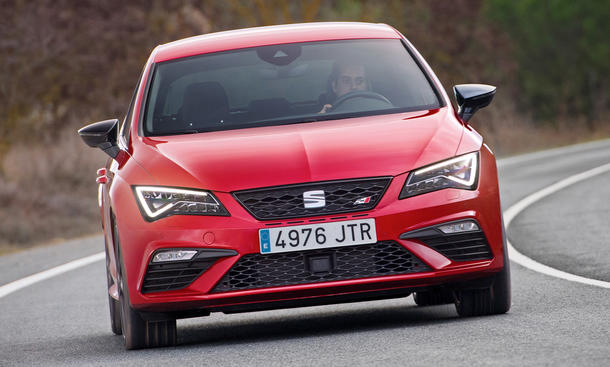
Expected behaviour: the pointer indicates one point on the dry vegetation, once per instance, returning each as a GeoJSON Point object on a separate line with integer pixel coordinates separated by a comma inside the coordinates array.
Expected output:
{"type": "Point", "coordinates": [64, 64]}
{"type": "Point", "coordinates": [48, 192]}
{"type": "Point", "coordinates": [509, 133]}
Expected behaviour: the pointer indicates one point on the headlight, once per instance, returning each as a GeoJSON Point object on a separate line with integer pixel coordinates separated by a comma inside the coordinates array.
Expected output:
{"type": "Point", "coordinates": [459, 172]}
{"type": "Point", "coordinates": [158, 202]}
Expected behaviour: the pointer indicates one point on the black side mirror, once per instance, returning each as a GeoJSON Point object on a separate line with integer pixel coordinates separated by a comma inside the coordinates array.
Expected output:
{"type": "Point", "coordinates": [102, 135]}
{"type": "Point", "coordinates": [471, 97]}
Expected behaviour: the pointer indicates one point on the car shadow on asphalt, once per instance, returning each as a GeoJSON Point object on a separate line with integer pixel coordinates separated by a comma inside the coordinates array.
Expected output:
{"type": "Point", "coordinates": [310, 322]}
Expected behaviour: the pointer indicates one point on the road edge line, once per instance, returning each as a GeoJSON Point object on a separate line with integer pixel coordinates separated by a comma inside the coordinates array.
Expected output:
{"type": "Point", "coordinates": [16, 285]}
{"type": "Point", "coordinates": [522, 204]}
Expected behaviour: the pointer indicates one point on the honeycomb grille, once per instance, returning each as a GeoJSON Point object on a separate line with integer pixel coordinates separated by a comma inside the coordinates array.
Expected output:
{"type": "Point", "coordinates": [287, 201]}
{"type": "Point", "coordinates": [351, 262]}
{"type": "Point", "coordinates": [460, 247]}
{"type": "Point", "coordinates": [165, 277]}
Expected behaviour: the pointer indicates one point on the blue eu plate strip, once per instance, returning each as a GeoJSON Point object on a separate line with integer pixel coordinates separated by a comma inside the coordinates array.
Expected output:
{"type": "Point", "coordinates": [265, 241]}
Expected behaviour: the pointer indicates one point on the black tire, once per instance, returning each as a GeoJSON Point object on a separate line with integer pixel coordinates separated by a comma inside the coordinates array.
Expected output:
{"type": "Point", "coordinates": [473, 302]}
{"type": "Point", "coordinates": [138, 332]}
{"type": "Point", "coordinates": [487, 301]}
{"type": "Point", "coordinates": [433, 297]}
{"type": "Point", "coordinates": [493, 300]}
{"type": "Point", "coordinates": [113, 305]}
{"type": "Point", "coordinates": [115, 316]}
{"type": "Point", "coordinates": [501, 290]}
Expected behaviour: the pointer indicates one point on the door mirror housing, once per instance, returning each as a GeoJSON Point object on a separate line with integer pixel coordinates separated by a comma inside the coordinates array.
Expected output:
{"type": "Point", "coordinates": [103, 135]}
{"type": "Point", "coordinates": [472, 97]}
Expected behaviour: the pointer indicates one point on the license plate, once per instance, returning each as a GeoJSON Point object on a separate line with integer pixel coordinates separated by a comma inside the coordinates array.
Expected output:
{"type": "Point", "coordinates": [317, 236]}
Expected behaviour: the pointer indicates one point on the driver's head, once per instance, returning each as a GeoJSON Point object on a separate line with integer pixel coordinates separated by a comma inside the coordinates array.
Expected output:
{"type": "Point", "coordinates": [348, 78]}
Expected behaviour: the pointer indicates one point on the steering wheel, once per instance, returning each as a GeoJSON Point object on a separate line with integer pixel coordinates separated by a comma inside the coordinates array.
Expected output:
{"type": "Point", "coordinates": [359, 94]}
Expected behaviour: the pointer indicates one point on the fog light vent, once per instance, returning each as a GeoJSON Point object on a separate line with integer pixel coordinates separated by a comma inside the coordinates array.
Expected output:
{"type": "Point", "coordinates": [462, 240]}
{"type": "Point", "coordinates": [171, 269]}
{"type": "Point", "coordinates": [459, 227]}
{"type": "Point", "coordinates": [173, 255]}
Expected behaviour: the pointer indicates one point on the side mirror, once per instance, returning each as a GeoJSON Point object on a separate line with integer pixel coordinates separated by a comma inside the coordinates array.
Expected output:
{"type": "Point", "coordinates": [471, 97]}
{"type": "Point", "coordinates": [102, 135]}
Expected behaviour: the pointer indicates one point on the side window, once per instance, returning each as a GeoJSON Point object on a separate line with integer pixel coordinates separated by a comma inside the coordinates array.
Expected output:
{"type": "Point", "coordinates": [126, 125]}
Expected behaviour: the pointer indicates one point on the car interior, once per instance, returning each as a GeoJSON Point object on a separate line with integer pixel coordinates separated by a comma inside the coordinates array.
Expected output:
{"type": "Point", "coordinates": [247, 89]}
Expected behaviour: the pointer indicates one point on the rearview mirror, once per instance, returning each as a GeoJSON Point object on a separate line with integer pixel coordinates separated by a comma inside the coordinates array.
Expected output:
{"type": "Point", "coordinates": [471, 97]}
{"type": "Point", "coordinates": [103, 135]}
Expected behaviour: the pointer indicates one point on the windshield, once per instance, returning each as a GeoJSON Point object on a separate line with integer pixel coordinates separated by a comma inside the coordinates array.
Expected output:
{"type": "Point", "coordinates": [283, 84]}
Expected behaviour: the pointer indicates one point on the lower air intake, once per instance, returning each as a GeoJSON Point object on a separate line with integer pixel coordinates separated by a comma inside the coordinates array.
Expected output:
{"type": "Point", "coordinates": [172, 276]}
{"type": "Point", "coordinates": [352, 262]}
{"type": "Point", "coordinates": [460, 247]}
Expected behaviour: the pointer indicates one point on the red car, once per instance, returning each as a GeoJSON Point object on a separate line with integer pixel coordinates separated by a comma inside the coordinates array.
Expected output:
{"type": "Point", "coordinates": [290, 166]}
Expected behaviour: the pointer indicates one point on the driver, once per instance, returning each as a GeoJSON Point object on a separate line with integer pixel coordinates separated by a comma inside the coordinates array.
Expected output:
{"type": "Point", "coordinates": [345, 78]}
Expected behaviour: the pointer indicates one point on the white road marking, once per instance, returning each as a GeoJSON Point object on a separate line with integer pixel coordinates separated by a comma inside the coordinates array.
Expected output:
{"type": "Point", "coordinates": [517, 208]}
{"type": "Point", "coordinates": [509, 215]}
{"type": "Point", "coordinates": [38, 277]}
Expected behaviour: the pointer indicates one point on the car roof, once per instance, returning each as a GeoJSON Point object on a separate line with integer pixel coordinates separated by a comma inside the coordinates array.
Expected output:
{"type": "Point", "coordinates": [270, 35]}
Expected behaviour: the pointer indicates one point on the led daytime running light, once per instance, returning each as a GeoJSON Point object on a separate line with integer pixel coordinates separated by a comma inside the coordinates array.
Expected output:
{"type": "Point", "coordinates": [458, 172]}
{"type": "Point", "coordinates": [155, 213]}
{"type": "Point", "coordinates": [466, 158]}
{"type": "Point", "coordinates": [157, 202]}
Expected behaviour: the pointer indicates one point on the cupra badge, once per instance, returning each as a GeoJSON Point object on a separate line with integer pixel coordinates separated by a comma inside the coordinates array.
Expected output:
{"type": "Point", "coordinates": [314, 199]}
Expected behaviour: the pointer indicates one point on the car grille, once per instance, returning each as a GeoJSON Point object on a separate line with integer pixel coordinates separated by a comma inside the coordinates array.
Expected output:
{"type": "Point", "coordinates": [350, 262]}
{"type": "Point", "coordinates": [165, 277]}
{"type": "Point", "coordinates": [283, 202]}
{"type": "Point", "coordinates": [460, 247]}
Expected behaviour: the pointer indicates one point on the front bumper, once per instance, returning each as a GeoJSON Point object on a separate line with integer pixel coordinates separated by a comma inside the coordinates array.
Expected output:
{"type": "Point", "coordinates": [239, 232]}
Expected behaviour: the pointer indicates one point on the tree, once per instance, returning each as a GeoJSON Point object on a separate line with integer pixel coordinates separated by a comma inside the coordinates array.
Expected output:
{"type": "Point", "coordinates": [564, 55]}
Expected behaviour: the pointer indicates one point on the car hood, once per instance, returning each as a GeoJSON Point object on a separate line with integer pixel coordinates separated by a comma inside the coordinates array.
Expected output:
{"type": "Point", "coordinates": [382, 145]}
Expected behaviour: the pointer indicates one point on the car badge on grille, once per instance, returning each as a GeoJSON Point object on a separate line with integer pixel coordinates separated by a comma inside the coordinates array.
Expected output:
{"type": "Point", "coordinates": [365, 200]}
{"type": "Point", "coordinates": [314, 199]}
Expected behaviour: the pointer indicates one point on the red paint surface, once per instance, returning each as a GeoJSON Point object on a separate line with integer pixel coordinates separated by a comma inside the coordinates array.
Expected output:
{"type": "Point", "coordinates": [263, 36]}
{"type": "Point", "coordinates": [225, 161]}
{"type": "Point", "coordinates": [318, 151]}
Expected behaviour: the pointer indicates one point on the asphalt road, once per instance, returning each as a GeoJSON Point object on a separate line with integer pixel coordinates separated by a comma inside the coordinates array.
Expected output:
{"type": "Point", "coordinates": [64, 320]}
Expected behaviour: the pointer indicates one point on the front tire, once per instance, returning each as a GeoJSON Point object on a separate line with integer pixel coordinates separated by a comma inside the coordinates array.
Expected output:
{"type": "Point", "coordinates": [113, 304]}
{"type": "Point", "coordinates": [487, 301]}
{"type": "Point", "coordinates": [493, 300]}
{"type": "Point", "coordinates": [115, 316]}
{"type": "Point", "coordinates": [138, 332]}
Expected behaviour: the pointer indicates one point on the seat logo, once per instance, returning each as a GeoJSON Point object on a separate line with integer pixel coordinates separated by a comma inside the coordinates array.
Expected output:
{"type": "Point", "coordinates": [314, 199]}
